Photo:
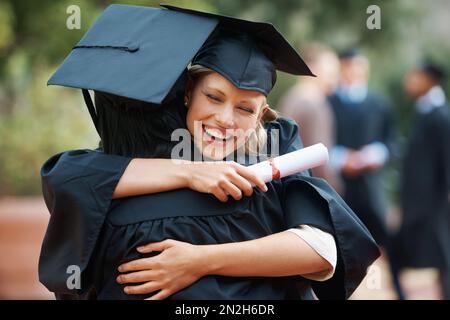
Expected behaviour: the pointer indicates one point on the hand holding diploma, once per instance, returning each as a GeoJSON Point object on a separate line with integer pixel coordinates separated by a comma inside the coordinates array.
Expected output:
{"type": "Point", "coordinates": [290, 163]}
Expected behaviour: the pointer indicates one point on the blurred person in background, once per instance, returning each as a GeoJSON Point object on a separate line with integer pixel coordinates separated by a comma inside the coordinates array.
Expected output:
{"type": "Point", "coordinates": [364, 140]}
{"type": "Point", "coordinates": [364, 134]}
{"type": "Point", "coordinates": [424, 235]}
{"type": "Point", "coordinates": [306, 103]}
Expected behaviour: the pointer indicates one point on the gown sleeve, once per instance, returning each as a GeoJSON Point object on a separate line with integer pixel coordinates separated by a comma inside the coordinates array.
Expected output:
{"type": "Point", "coordinates": [443, 131]}
{"type": "Point", "coordinates": [77, 188]}
{"type": "Point", "coordinates": [323, 244]}
{"type": "Point", "coordinates": [311, 201]}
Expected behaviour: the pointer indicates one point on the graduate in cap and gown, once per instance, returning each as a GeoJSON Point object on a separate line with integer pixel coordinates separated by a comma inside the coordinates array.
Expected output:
{"type": "Point", "coordinates": [364, 138]}
{"type": "Point", "coordinates": [280, 241]}
{"type": "Point", "coordinates": [423, 240]}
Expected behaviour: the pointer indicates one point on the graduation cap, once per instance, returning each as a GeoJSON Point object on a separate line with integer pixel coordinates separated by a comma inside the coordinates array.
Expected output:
{"type": "Point", "coordinates": [141, 52]}
{"type": "Point", "coordinates": [266, 37]}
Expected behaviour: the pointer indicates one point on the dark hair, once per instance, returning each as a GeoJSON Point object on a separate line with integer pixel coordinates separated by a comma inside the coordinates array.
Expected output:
{"type": "Point", "coordinates": [435, 71]}
{"type": "Point", "coordinates": [135, 128]}
{"type": "Point", "coordinates": [349, 53]}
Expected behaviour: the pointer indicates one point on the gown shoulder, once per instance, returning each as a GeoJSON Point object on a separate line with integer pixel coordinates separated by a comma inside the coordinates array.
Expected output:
{"type": "Point", "coordinates": [77, 187]}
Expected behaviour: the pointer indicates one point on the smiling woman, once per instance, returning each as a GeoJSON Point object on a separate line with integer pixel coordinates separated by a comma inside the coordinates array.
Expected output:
{"type": "Point", "coordinates": [278, 242]}
{"type": "Point", "coordinates": [222, 117]}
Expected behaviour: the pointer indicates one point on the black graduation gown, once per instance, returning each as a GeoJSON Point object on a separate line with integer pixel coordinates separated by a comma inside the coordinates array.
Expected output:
{"type": "Point", "coordinates": [424, 235]}
{"type": "Point", "coordinates": [356, 126]}
{"type": "Point", "coordinates": [88, 229]}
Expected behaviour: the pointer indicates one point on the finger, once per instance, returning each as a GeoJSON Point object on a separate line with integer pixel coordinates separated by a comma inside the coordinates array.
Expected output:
{"type": "Point", "coordinates": [153, 246]}
{"type": "Point", "coordinates": [252, 177]}
{"type": "Point", "coordinates": [145, 288]}
{"type": "Point", "coordinates": [137, 265]}
{"type": "Point", "coordinates": [136, 277]}
{"type": "Point", "coordinates": [242, 183]}
{"type": "Point", "coordinates": [163, 294]}
{"type": "Point", "coordinates": [231, 189]}
{"type": "Point", "coordinates": [220, 194]}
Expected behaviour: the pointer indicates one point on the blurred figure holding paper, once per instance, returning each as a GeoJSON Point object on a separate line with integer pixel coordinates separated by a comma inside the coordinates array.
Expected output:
{"type": "Point", "coordinates": [364, 135]}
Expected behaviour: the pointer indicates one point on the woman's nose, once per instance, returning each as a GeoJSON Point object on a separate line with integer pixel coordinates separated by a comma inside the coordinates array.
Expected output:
{"type": "Point", "coordinates": [225, 117]}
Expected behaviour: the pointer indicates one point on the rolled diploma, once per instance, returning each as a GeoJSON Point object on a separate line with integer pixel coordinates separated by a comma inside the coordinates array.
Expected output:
{"type": "Point", "coordinates": [292, 162]}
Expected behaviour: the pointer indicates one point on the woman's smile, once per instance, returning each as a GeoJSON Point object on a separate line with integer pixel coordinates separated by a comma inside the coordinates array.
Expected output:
{"type": "Point", "coordinates": [217, 136]}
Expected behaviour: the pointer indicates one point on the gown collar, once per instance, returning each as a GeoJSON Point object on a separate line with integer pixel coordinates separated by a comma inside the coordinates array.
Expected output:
{"type": "Point", "coordinates": [434, 98]}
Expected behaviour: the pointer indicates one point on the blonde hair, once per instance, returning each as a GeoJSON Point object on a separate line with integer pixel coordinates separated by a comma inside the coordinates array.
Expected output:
{"type": "Point", "coordinates": [258, 138]}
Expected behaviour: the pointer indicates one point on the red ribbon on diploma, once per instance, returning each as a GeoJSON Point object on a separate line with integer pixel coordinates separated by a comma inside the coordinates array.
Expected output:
{"type": "Point", "coordinates": [275, 171]}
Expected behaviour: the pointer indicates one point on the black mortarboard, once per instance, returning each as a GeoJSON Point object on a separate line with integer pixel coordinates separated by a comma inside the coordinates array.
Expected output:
{"type": "Point", "coordinates": [141, 52]}
{"type": "Point", "coordinates": [247, 53]}
{"type": "Point", "coordinates": [135, 52]}
{"type": "Point", "coordinates": [237, 57]}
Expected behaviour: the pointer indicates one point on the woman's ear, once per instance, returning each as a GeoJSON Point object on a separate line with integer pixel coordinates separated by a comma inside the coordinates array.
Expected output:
{"type": "Point", "coordinates": [263, 111]}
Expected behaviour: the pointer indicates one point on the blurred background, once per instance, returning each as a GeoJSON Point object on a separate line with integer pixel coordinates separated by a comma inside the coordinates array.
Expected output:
{"type": "Point", "coordinates": [37, 121]}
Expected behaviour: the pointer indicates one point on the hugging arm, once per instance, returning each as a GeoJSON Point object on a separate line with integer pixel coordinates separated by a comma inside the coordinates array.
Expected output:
{"type": "Point", "coordinates": [180, 264]}
{"type": "Point", "coordinates": [147, 176]}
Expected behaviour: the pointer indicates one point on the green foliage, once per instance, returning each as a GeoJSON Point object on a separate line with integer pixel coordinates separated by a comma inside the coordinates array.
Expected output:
{"type": "Point", "coordinates": [43, 122]}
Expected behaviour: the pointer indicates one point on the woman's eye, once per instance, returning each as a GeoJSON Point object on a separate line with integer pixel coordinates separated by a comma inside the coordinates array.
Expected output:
{"type": "Point", "coordinates": [214, 98]}
{"type": "Point", "coordinates": [248, 110]}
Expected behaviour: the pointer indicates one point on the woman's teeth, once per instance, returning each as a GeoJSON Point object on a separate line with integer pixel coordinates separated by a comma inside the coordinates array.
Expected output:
{"type": "Point", "coordinates": [216, 134]}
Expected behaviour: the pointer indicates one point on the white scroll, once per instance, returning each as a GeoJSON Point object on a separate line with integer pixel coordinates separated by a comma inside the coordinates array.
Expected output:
{"type": "Point", "coordinates": [290, 163]}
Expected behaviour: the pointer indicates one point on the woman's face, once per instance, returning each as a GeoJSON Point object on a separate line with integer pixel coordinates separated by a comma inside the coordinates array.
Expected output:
{"type": "Point", "coordinates": [221, 116]}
